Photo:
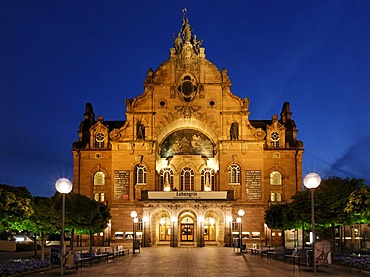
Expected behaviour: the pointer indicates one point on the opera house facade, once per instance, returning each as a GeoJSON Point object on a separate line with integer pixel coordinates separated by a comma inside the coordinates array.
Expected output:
{"type": "Point", "coordinates": [187, 158]}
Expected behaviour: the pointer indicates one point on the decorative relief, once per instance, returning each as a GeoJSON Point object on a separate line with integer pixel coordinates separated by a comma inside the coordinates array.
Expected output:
{"type": "Point", "coordinates": [187, 111]}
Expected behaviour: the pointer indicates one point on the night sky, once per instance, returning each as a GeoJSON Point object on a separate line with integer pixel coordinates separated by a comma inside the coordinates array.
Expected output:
{"type": "Point", "coordinates": [55, 56]}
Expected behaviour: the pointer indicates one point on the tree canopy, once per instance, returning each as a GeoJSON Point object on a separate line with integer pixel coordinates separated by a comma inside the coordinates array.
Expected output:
{"type": "Point", "coordinates": [15, 207]}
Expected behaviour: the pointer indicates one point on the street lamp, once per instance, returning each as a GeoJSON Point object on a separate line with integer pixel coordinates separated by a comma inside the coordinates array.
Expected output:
{"type": "Point", "coordinates": [312, 181]}
{"type": "Point", "coordinates": [241, 213]}
{"type": "Point", "coordinates": [265, 234]}
{"type": "Point", "coordinates": [133, 215]}
{"type": "Point", "coordinates": [63, 186]}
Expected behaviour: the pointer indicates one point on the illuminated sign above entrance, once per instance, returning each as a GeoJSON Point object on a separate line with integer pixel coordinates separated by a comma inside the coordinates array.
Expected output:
{"type": "Point", "coordinates": [188, 195]}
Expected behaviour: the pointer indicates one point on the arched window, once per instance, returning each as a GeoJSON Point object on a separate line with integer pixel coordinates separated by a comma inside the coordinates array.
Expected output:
{"type": "Point", "coordinates": [187, 179]}
{"type": "Point", "coordinates": [101, 197]}
{"type": "Point", "coordinates": [272, 197]}
{"type": "Point", "coordinates": [140, 175]}
{"type": "Point", "coordinates": [96, 196]}
{"type": "Point", "coordinates": [207, 179]}
{"type": "Point", "coordinates": [234, 174]}
{"type": "Point", "coordinates": [275, 178]}
{"type": "Point", "coordinates": [99, 179]}
{"type": "Point", "coordinates": [99, 140]}
{"type": "Point", "coordinates": [166, 179]}
{"type": "Point", "coordinates": [278, 197]}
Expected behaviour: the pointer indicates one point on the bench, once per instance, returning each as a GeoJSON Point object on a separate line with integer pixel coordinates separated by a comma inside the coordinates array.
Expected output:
{"type": "Point", "coordinates": [98, 255]}
{"type": "Point", "coordinates": [276, 253]}
{"type": "Point", "coordinates": [297, 256]}
{"type": "Point", "coordinates": [81, 258]}
{"type": "Point", "coordinates": [120, 251]}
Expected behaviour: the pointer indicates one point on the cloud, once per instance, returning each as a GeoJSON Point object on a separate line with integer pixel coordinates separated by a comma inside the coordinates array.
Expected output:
{"type": "Point", "coordinates": [354, 163]}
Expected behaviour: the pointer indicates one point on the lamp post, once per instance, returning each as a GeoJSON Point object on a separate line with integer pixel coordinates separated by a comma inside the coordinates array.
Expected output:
{"type": "Point", "coordinates": [312, 181]}
{"type": "Point", "coordinates": [133, 215]}
{"type": "Point", "coordinates": [241, 213]}
{"type": "Point", "coordinates": [63, 186]}
{"type": "Point", "coordinates": [265, 234]}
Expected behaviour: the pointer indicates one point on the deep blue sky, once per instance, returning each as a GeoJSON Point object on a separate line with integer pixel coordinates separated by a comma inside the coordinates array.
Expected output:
{"type": "Point", "coordinates": [57, 55]}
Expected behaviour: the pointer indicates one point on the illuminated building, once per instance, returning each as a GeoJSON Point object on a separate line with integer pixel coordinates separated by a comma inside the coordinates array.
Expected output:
{"type": "Point", "coordinates": [187, 157]}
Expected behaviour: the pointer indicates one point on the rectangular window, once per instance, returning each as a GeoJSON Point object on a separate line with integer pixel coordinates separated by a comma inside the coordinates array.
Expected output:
{"type": "Point", "coordinates": [118, 235]}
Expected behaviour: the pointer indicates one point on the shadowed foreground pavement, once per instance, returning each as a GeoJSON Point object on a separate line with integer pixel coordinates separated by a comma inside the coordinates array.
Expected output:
{"type": "Point", "coordinates": [184, 261]}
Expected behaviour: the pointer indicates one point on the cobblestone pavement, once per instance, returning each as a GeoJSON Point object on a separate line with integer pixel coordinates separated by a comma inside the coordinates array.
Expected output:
{"type": "Point", "coordinates": [186, 261]}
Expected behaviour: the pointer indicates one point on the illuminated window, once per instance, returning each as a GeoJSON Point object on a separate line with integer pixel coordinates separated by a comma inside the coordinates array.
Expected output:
{"type": "Point", "coordinates": [99, 140]}
{"type": "Point", "coordinates": [234, 174]}
{"type": "Point", "coordinates": [208, 179]}
{"type": "Point", "coordinates": [140, 175]}
{"type": "Point", "coordinates": [278, 197]}
{"type": "Point", "coordinates": [96, 196]}
{"type": "Point", "coordinates": [272, 197]}
{"type": "Point", "coordinates": [101, 197]}
{"type": "Point", "coordinates": [166, 179]}
{"type": "Point", "coordinates": [187, 179]}
{"type": "Point", "coordinates": [275, 178]}
{"type": "Point", "coordinates": [164, 229]}
{"type": "Point", "coordinates": [275, 139]}
{"type": "Point", "coordinates": [99, 179]}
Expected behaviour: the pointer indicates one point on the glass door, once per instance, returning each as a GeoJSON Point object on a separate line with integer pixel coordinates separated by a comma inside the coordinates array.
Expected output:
{"type": "Point", "coordinates": [187, 232]}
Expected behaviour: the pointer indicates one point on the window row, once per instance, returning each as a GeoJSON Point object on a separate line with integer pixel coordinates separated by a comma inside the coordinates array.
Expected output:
{"type": "Point", "coordinates": [166, 178]}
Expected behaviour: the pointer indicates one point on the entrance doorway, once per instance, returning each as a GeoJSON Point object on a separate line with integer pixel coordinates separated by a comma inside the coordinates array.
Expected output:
{"type": "Point", "coordinates": [187, 229]}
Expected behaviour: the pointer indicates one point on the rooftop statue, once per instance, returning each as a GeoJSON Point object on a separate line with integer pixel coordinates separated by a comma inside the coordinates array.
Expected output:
{"type": "Point", "coordinates": [185, 37]}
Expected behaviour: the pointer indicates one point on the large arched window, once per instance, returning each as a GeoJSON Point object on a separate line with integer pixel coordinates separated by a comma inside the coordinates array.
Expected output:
{"type": "Point", "coordinates": [99, 179]}
{"type": "Point", "coordinates": [207, 179]}
{"type": "Point", "coordinates": [234, 174]}
{"type": "Point", "coordinates": [140, 175]}
{"type": "Point", "coordinates": [275, 178]}
{"type": "Point", "coordinates": [166, 179]}
{"type": "Point", "coordinates": [187, 179]}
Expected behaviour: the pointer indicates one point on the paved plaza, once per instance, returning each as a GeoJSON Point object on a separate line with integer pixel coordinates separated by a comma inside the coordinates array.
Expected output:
{"type": "Point", "coordinates": [188, 261]}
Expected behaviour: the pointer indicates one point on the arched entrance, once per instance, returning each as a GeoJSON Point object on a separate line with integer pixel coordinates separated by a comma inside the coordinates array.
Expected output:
{"type": "Point", "coordinates": [187, 229]}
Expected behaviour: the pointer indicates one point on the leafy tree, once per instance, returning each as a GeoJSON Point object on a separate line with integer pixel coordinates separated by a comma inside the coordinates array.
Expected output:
{"type": "Point", "coordinates": [276, 217]}
{"type": "Point", "coordinates": [359, 204]}
{"type": "Point", "coordinates": [84, 215]}
{"type": "Point", "coordinates": [44, 221]}
{"type": "Point", "coordinates": [330, 202]}
{"type": "Point", "coordinates": [15, 207]}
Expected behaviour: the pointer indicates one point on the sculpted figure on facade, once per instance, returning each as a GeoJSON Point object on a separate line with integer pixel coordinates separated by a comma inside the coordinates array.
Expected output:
{"type": "Point", "coordinates": [140, 130]}
{"type": "Point", "coordinates": [178, 44]}
{"type": "Point", "coordinates": [186, 29]}
{"type": "Point", "coordinates": [234, 131]}
{"type": "Point", "coordinates": [196, 44]}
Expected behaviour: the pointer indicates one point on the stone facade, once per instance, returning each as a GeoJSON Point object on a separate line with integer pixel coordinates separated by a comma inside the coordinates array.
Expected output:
{"type": "Point", "coordinates": [187, 157]}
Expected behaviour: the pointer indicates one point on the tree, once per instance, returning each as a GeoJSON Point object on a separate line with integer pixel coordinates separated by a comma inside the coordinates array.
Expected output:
{"type": "Point", "coordinates": [275, 217]}
{"type": "Point", "coordinates": [330, 202]}
{"type": "Point", "coordinates": [359, 204]}
{"type": "Point", "coordinates": [84, 215]}
{"type": "Point", "coordinates": [44, 221]}
{"type": "Point", "coordinates": [15, 207]}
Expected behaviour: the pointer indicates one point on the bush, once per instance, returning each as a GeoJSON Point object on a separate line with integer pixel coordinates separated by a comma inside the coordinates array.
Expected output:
{"type": "Point", "coordinates": [12, 267]}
